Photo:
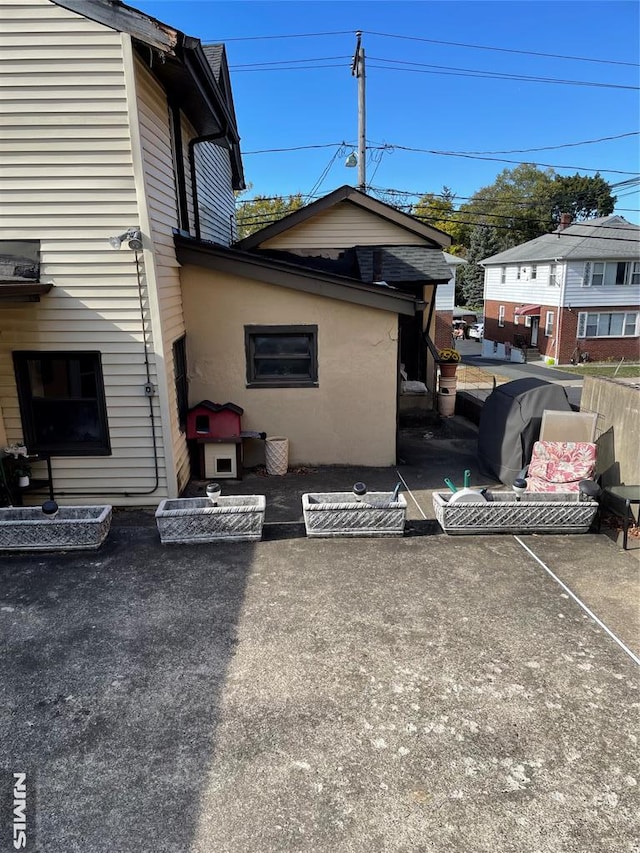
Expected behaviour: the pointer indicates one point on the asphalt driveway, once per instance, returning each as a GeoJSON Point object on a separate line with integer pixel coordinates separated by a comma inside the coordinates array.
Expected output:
{"type": "Point", "coordinates": [420, 694]}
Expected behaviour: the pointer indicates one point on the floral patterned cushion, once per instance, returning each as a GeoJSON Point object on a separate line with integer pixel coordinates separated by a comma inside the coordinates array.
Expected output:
{"type": "Point", "coordinates": [558, 466]}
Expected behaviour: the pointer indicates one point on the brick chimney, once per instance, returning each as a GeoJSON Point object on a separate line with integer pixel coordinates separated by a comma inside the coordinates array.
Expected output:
{"type": "Point", "coordinates": [565, 221]}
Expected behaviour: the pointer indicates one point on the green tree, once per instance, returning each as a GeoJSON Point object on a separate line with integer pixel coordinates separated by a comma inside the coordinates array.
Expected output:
{"type": "Point", "coordinates": [581, 196]}
{"type": "Point", "coordinates": [517, 204]}
{"type": "Point", "coordinates": [525, 202]}
{"type": "Point", "coordinates": [439, 211]}
{"type": "Point", "coordinates": [485, 241]}
{"type": "Point", "coordinates": [260, 211]}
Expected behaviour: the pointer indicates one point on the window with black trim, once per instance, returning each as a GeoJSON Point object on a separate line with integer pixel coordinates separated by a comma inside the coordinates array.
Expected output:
{"type": "Point", "coordinates": [62, 403]}
{"type": "Point", "coordinates": [281, 356]}
{"type": "Point", "coordinates": [182, 383]}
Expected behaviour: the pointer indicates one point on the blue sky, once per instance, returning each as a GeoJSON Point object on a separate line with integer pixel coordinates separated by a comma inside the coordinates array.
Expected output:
{"type": "Point", "coordinates": [437, 111]}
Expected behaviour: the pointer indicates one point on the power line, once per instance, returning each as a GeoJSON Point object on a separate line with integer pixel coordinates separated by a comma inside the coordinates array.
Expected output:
{"type": "Point", "coordinates": [467, 155]}
{"type": "Point", "coordinates": [563, 145]}
{"type": "Point", "coordinates": [502, 160]}
{"type": "Point", "coordinates": [510, 151]}
{"type": "Point", "coordinates": [416, 194]}
{"type": "Point", "coordinates": [435, 41]}
{"type": "Point", "coordinates": [504, 49]}
{"type": "Point", "coordinates": [258, 65]}
{"type": "Point", "coordinates": [253, 221]}
{"type": "Point", "coordinates": [495, 75]}
{"type": "Point", "coordinates": [423, 68]}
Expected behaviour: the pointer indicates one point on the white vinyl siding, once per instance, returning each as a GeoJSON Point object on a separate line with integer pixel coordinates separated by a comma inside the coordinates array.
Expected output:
{"type": "Point", "coordinates": [615, 324]}
{"type": "Point", "coordinates": [67, 180]}
{"type": "Point", "coordinates": [216, 201]}
{"type": "Point", "coordinates": [160, 190]}
{"type": "Point", "coordinates": [503, 285]}
{"type": "Point", "coordinates": [600, 297]}
{"type": "Point", "coordinates": [341, 227]}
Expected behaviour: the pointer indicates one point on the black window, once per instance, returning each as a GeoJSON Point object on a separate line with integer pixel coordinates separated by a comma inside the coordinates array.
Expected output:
{"type": "Point", "coordinates": [281, 356]}
{"type": "Point", "coordinates": [182, 383]}
{"type": "Point", "coordinates": [62, 403]}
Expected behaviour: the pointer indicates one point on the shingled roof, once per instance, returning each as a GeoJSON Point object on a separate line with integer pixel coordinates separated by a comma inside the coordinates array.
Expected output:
{"type": "Point", "coordinates": [609, 237]}
{"type": "Point", "coordinates": [402, 264]}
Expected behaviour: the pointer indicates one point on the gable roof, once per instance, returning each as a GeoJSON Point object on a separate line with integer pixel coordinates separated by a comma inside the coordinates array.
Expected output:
{"type": "Point", "coordinates": [354, 196]}
{"type": "Point", "coordinates": [606, 237]}
{"type": "Point", "coordinates": [295, 276]}
{"type": "Point", "coordinates": [201, 90]}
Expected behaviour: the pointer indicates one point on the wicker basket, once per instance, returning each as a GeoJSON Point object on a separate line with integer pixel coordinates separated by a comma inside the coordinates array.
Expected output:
{"type": "Point", "coordinates": [74, 528]}
{"type": "Point", "coordinates": [549, 512]}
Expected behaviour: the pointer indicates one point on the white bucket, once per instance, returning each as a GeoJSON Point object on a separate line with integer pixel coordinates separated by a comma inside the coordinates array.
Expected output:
{"type": "Point", "coordinates": [446, 404]}
{"type": "Point", "coordinates": [276, 453]}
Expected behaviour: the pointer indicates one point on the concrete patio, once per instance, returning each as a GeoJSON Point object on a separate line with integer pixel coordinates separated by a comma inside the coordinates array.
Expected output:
{"type": "Point", "coordinates": [428, 693]}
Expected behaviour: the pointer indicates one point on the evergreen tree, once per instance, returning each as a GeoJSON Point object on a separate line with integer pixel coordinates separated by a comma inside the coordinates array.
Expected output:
{"type": "Point", "coordinates": [485, 241]}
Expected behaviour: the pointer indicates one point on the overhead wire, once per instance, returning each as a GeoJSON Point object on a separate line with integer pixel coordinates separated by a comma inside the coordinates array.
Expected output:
{"type": "Point", "coordinates": [438, 153]}
{"type": "Point", "coordinates": [466, 45]}
{"type": "Point", "coordinates": [505, 49]}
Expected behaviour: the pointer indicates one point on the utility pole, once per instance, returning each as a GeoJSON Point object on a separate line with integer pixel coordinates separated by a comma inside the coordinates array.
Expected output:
{"type": "Point", "coordinates": [357, 70]}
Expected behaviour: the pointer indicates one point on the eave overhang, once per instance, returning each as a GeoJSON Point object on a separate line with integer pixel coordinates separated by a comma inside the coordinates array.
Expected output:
{"type": "Point", "coordinates": [283, 274]}
{"type": "Point", "coordinates": [12, 291]}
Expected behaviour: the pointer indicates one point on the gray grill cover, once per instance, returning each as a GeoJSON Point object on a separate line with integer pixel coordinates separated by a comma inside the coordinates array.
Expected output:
{"type": "Point", "coordinates": [510, 425]}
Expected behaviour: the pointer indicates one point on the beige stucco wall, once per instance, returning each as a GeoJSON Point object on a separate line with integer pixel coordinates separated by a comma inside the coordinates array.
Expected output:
{"type": "Point", "coordinates": [349, 419]}
{"type": "Point", "coordinates": [618, 427]}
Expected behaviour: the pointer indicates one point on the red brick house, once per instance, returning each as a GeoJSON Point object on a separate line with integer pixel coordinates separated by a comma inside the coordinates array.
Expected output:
{"type": "Point", "coordinates": [572, 294]}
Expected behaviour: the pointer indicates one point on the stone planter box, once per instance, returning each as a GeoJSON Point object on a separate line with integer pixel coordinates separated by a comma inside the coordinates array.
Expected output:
{"type": "Point", "coordinates": [75, 528]}
{"type": "Point", "coordinates": [234, 519]}
{"type": "Point", "coordinates": [339, 514]}
{"type": "Point", "coordinates": [559, 512]}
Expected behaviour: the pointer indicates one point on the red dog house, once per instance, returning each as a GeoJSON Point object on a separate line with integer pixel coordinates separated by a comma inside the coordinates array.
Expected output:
{"type": "Point", "coordinates": [216, 429]}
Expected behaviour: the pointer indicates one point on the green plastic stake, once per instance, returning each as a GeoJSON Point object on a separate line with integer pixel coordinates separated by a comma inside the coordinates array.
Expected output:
{"type": "Point", "coordinates": [467, 478]}
{"type": "Point", "coordinates": [450, 484]}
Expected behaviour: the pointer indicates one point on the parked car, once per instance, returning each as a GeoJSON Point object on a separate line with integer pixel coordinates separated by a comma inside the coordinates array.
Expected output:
{"type": "Point", "coordinates": [476, 331]}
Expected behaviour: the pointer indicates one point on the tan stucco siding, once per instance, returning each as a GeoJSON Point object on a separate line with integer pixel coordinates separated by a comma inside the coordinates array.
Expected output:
{"type": "Point", "coordinates": [341, 227]}
{"type": "Point", "coordinates": [350, 418]}
{"type": "Point", "coordinates": [67, 180]}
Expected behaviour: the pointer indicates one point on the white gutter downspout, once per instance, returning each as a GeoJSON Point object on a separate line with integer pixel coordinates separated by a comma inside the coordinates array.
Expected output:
{"type": "Point", "coordinates": [563, 284]}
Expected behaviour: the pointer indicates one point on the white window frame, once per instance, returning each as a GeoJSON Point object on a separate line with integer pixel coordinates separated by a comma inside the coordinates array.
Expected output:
{"type": "Point", "coordinates": [553, 275]}
{"type": "Point", "coordinates": [589, 319]}
{"type": "Point", "coordinates": [503, 275]}
{"type": "Point", "coordinates": [548, 324]}
{"type": "Point", "coordinates": [597, 273]}
{"type": "Point", "coordinates": [534, 271]}
{"type": "Point", "coordinates": [501, 311]}
{"type": "Point", "coordinates": [516, 317]}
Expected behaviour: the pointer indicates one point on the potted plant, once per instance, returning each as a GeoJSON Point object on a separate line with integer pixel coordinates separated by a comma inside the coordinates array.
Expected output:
{"type": "Point", "coordinates": [23, 474]}
{"type": "Point", "coordinates": [448, 360]}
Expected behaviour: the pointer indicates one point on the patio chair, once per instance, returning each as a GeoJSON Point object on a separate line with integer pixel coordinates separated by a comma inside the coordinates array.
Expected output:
{"type": "Point", "coordinates": [560, 466]}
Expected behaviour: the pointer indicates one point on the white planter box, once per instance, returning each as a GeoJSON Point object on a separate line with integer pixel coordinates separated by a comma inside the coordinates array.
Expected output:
{"type": "Point", "coordinates": [234, 519]}
{"type": "Point", "coordinates": [549, 512]}
{"type": "Point", "coordinates": [75, 528]}
{"type": "Point", "coordinates": [339, 514]}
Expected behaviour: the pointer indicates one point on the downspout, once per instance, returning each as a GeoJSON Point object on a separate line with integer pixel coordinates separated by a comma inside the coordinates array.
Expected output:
{"type": "Point", "coordinates": [427, 338]}
{"type": "Point", "coordinates": [563, 285]}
